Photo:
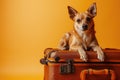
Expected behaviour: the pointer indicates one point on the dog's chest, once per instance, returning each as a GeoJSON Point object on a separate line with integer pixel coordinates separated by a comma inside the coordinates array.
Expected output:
{"type": "Point", "coordinates": [86, 40]}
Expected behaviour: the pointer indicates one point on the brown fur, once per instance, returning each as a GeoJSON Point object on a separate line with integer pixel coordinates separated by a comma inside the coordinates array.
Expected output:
{"type": "Point", "coordinates": [83, 34]}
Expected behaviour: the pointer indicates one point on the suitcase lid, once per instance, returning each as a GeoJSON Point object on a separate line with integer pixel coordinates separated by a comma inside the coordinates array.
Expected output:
{"type": "Point", "coordinates": [54, 55]}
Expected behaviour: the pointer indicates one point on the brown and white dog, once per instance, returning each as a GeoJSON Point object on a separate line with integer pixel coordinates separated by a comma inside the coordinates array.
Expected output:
{"type": "Point", "coordinates": [82, 36]}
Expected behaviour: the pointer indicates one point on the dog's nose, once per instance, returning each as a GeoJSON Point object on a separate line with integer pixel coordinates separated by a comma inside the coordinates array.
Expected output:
{"type": "Point", "coordinates": [85, 27]}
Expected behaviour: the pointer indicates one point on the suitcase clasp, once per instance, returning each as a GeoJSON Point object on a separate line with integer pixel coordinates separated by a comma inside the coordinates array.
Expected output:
{"type": "Point", "coordinates": [67, 68]}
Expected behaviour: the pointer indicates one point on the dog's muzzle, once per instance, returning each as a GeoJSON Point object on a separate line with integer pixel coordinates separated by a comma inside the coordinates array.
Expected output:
{"type": "Point", "coordinates": [85, 27]}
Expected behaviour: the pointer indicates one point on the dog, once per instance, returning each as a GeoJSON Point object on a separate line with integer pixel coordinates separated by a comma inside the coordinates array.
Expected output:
{"type": "Point", "coordinates": [82, 36]}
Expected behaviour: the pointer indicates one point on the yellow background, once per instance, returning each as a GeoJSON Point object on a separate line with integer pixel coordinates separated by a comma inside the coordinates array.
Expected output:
{"type": "Point", "coordinates": [27, 27]}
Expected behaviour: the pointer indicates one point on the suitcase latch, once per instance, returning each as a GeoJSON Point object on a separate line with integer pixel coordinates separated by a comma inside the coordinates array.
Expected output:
{"type": "Point", "coordinates": [67, 68]}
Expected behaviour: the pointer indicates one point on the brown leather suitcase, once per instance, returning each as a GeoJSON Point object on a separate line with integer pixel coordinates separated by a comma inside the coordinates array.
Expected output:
{"type": "Point", "coordinates": [66, 65]}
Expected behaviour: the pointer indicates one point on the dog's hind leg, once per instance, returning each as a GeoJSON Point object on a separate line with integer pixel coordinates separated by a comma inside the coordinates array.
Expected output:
{"type": "Point", "coordinates": [64, 42]}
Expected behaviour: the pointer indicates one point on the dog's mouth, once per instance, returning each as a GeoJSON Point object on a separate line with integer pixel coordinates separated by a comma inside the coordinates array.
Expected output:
{"type": "Point", "coordinates": [82, 28]}
{"type": "Point", "coordinates": [85, 27]}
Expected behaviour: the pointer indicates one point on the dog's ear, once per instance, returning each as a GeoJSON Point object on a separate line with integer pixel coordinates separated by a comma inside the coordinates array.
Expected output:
{"type": "Point", "coordinates": [92, 10]}
{"type": "Point", "coordinates": [72, 12]}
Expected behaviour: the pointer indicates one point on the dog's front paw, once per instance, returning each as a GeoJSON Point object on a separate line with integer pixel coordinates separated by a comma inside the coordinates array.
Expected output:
{"type": "Point", "coordinates": [100, 56]}
{"type": "Point", "coordinates": [83, 56]}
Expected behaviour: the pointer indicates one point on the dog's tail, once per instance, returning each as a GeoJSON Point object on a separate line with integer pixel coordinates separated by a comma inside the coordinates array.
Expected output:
{"type": "Point", "coordinates": [64, 42]}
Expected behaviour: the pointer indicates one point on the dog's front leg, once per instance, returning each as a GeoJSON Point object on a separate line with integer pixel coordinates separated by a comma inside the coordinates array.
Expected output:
{"type": "Point", "coordinates": [81, 52]}
{"type": "Point", "coordinates": [100, 54]}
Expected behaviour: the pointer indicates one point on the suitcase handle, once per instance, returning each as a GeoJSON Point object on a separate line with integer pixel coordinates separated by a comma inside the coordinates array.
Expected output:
{"type": "Point", "coordinates": [97, 72]}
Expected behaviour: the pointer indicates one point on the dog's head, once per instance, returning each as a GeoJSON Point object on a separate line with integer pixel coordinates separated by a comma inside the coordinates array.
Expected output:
{"type": "Point", "coordinates": [83, 21]}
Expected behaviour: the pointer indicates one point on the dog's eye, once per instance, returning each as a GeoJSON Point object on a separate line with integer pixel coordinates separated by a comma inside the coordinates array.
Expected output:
{"type": "Point", "coordinates": [88, 19]}
{"type": "Point", "coordinates": [78, 20]}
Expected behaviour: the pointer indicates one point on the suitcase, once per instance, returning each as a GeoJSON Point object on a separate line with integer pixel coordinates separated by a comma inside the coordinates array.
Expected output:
{"type": "Point", "coordinates": [67, 65]}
